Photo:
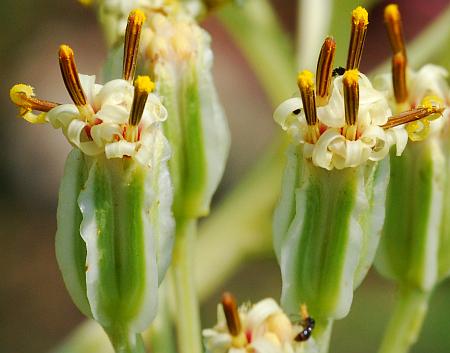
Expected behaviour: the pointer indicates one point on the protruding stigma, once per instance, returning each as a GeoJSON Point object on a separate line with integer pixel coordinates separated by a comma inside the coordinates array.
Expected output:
{"type": "Point", "coordinates": [131, 46]}
{"type": "Point", "coordinates": [412, 115]}
{"type": "Point", "coordinates": [143, 86]}
{"type": "Point", "coordinates": [393, 22]}
{"type": "Point", "coordinates": [305, 82]}
{"type": "Point", "coordinates": [70, 75]}
{"type": "Point", "coordinates": [351, 102]}
{"type": "Point", "coordinates": [399, 77]}
{"type": "Point", "coordinates": [23, 96]}
{"type": "Point", "coordinates": [325, 71]}
{"type": "Point", "coordinates": [360, 20]}
{"type": "Point", "coordinates": [231, 314]}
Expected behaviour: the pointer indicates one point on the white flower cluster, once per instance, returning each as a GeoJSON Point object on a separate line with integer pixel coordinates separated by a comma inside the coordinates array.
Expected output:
{"type": "Point", "coordinates": [426, 86]}
{"type": "Point", "coordinates": [333, 150]}
{"type": "Point", "coordinates": [111, 104]}
{"type": "Point", "coordinates": [266, 327]}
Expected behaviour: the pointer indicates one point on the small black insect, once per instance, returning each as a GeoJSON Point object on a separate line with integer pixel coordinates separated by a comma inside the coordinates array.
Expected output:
{"type": "Point", "coordinates": [338, 71]}
{"type": "Point", "coordinates": [297, 111]}
{"type": "Point", "coordinates": [308, 324]}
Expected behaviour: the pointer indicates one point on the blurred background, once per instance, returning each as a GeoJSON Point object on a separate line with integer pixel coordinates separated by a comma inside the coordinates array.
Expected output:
{"type": "Point", "coordinates": [35, 310]}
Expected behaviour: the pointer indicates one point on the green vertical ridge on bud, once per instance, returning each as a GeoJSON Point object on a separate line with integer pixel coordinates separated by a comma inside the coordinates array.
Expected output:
{"type": "Point", "coordinates": [323, 235]}
{"type": "Point", "coordinates": [122, 274]}
{"type": "Point", "coordinates": [70, 247]}
{"type": "Point", "coordinates": [409, 247]}
{"type": "Point", "coordinates": [194, 147]}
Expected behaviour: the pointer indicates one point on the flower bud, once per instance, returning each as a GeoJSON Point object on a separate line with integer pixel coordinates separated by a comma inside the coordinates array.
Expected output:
{"type": "Point", "coordinates": [114, 220]}
{"type": "Point", "coordinates": [180, 58]}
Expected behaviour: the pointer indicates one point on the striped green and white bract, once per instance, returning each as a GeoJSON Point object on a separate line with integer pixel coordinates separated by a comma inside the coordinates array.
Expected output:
{"type": "Point", "coordinates": [328, 221]}
{"type": "Point", "coordinates": [181, 61]}
{"type": "Point", "coordinates": [115, 225]}
{"type": "Point", "coordinates": [415, 247]}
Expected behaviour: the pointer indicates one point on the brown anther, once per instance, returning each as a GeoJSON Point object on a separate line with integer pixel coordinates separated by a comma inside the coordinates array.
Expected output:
{"type": "Point", "coordinates": [393, 22]}
{"type": "Point", "coordinates": [70, 75]}
{"type": "Point", "coordinates": [131, 46]}
{"type": "Point", "coordinates": [305, 84]}
{"type": "Point", "coordinates": [357, 37]}
{"type": "Point", "coordinates": [399, 77]}
{"type": "Point", "coordinates": [351, 102]}
{"type": "Point", "coordinates": [412, 115]}
{"type": "Point", "coordinates": [325, 71]}
{"type": "Point", "coordinates": [143, 86]}
{"type": "Point", "coordinates": [231, 314]}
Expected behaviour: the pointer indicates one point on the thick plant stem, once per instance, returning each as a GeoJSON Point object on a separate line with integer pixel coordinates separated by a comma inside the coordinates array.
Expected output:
{"type": "Point", "coordinates": [160, 335]}
{"type": "Point", "coordinates": [322, 335]}
{"type": "Point", "coordinates": [406, 321]}
{"type": "Point", "coordinates": [124, 344]}
{"type": "Point", "coordinates": [186, 302]}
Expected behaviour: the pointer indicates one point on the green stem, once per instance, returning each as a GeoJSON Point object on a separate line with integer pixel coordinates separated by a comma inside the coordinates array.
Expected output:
{"type": "Point", "coordinates": [160, 334]}
{"type": "Point", "coordinates": [259, 34]}
{"type": "Point", "coordinates": [406, 321]}
{"type": "Point", "coordinates": [322, 335]}
{"type": "Point", "coordinates": [126, 344]}
{"type": "Point", "coordinates": [187, 308]}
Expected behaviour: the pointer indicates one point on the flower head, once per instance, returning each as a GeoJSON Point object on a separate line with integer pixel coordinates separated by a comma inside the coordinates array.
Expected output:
{"type": "Point", "coordinates": [426, 89]}
{"type": "Point", "coordinates": [118, 119]}
{"type": "Point", "coordinates": [262, 327]}
{"type": "Point", "coordinates": [352, 122]}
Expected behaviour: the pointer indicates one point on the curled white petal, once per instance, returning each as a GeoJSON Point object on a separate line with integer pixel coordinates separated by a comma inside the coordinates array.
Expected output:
{"type": "Point", "coordinates": [120, 149]}
{"type": "Point", "coordinates": [109, 113]}
{"type": "Point", "coordinates": [76, 135]}
{"type": "Point", "coordinates": [398, 136]}
{"type": "Point", "coordinates": [430, 79]}
{"type": "Point", "coordinates": [62, 115]}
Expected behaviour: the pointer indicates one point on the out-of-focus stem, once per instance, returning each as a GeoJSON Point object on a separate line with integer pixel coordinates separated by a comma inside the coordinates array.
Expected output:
{"type": "Point", "coordinates": [187, 316]}
{"type": "Point", "coordinates": [406, 321]}
{"type": "Point", "coordinates": [259, 34]}
{"type": "Point", "coordinates": [160, 334]}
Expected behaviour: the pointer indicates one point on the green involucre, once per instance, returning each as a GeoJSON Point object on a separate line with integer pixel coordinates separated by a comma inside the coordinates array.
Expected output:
{"type": "Point", "coordinates": [409, 249]}
{"type": "Point", "coordinates": [326, 227]}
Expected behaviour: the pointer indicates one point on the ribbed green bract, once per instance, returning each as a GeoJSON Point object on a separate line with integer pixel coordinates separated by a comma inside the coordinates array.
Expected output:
{"type": "Point", "coordinates": [415, 248]}
{"type": "Point", "coordinates": [326, 231]}
{"type": "Point", "coordinates": [196, 127]}
{"type": "Point", "coordinates": [114, 240]}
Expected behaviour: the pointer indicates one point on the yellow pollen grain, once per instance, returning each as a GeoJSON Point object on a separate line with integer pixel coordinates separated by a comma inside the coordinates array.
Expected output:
{"type": "Point", "coordinates": [305, 79]}
{"type": "Point", "coordinates": [86, 2]}
{"type": "Point", "coordinates": [65, 51]}
{"type": "Point", "coordinates": [391, 12]}
{"type": "Point", "coordinates": [137, 16]}
{"type": "Point", "coordinates": [17, 91]}
{"type": "Point", "coordinates": [360, 16]}
{"type": "Point", "coordinates": [351, 77]}
{"type": "Point", "coordinates": [144, 84]}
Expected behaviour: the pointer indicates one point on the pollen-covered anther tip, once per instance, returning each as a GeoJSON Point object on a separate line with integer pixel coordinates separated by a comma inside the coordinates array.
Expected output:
{"type": "Point", "coordinates": [399, 77]}
{"type": "Point", "coordinates": [69, 73]}
{"type": "Point", "coordinates": [135, 22]}
{"type": "Point", "coordinates": [351, 102]}
{"type": "Point", "coordinates": [360, 20]}
{"type": "Point", "coordinates": [143, 86]}
{"type": "Point", "coordinates": [324, 71]}
{"type": "Point", "coordinates": [305, 82]}
{"type": "Point", "coordinates": [360, 16]}
{"type": "Point", "coordinates": [393, 22]}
